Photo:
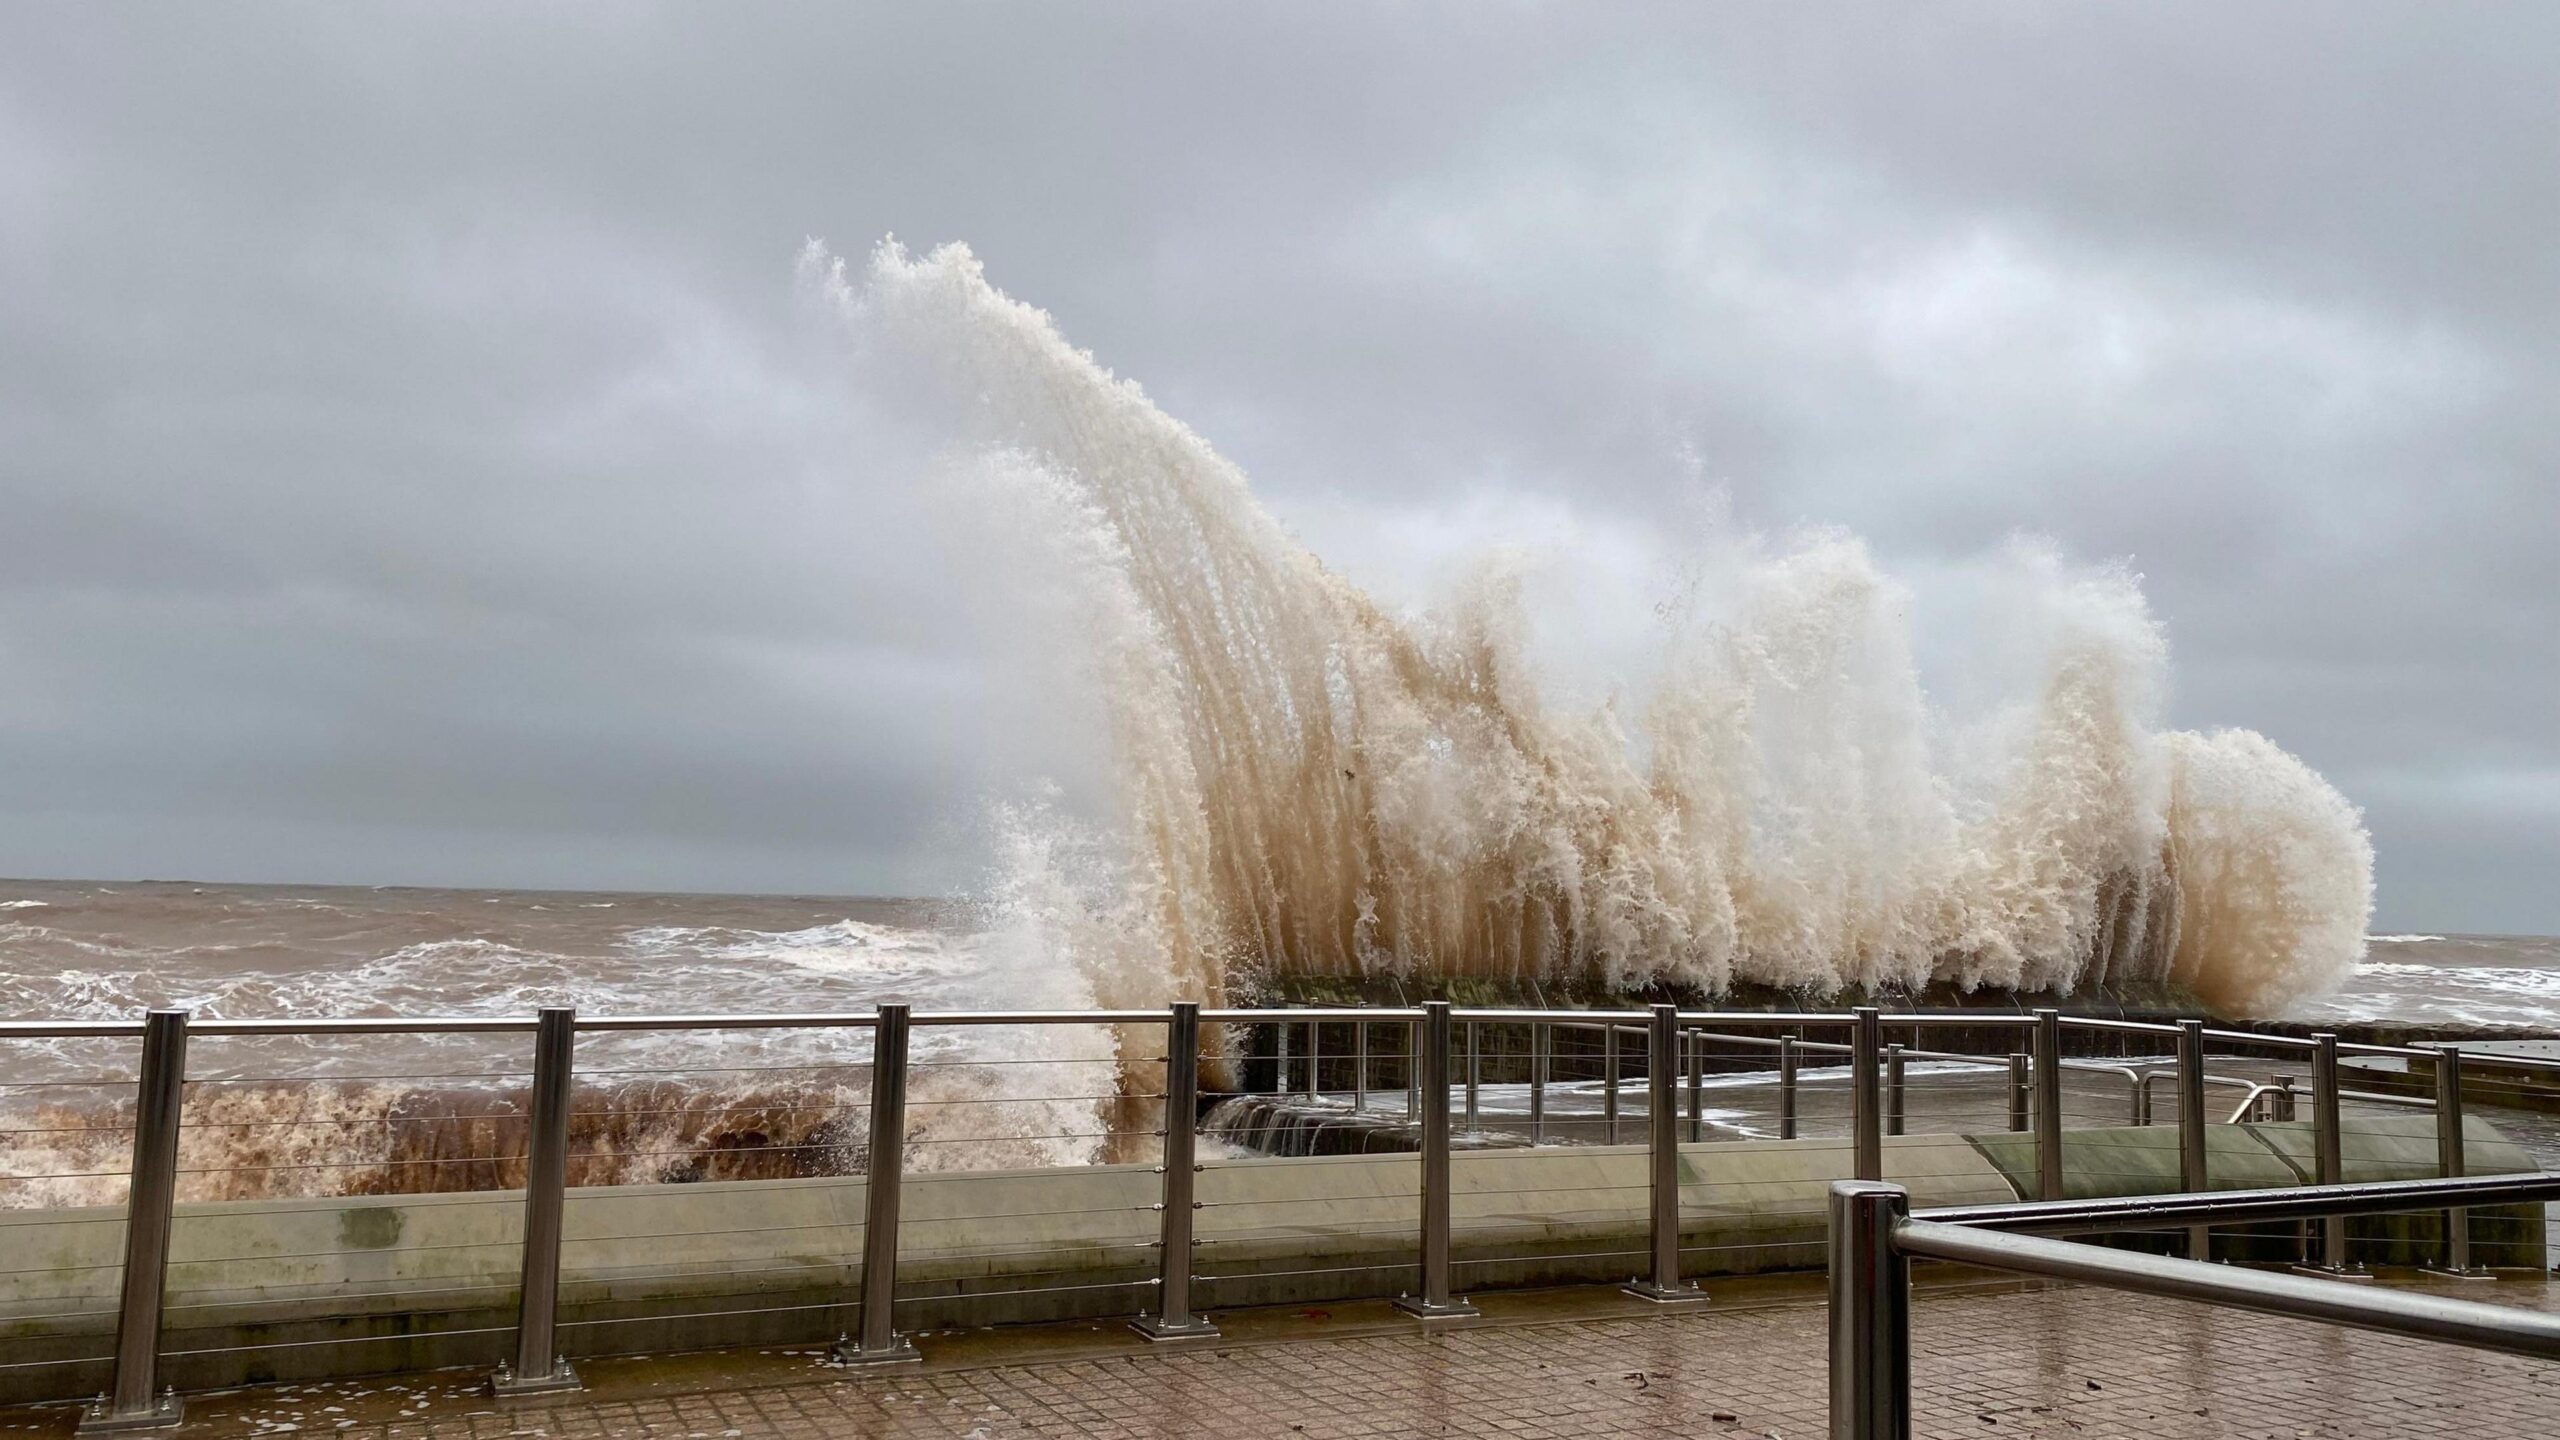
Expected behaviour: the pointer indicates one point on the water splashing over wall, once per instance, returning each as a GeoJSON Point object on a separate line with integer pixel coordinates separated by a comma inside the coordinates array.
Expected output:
{"type": "Point", "coordinates": [1307, 785]}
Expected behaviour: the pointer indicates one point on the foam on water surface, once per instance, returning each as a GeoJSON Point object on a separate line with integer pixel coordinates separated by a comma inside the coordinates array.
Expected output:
{"type": "Point", "coordinates": [2452, 981]}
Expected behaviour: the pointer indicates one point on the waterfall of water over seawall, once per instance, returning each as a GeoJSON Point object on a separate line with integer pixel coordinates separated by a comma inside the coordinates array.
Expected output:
{"type": "Point", "coordinates": [1308, 785]}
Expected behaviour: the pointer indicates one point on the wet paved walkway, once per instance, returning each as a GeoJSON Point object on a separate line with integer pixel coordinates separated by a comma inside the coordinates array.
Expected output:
{"type": "Point", "coordinates": [1992, 1360]}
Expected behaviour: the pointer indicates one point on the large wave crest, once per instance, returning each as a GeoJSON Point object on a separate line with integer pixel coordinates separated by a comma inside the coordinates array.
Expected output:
{"type": "Point", "coordinates": [1307, 784]}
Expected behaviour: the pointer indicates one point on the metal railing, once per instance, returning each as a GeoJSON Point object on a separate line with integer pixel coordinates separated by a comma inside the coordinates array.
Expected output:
{"type": "Point", "coordinates": [1674, 1047]}
{"type": "Point", "coordinates": [1875, 1235]}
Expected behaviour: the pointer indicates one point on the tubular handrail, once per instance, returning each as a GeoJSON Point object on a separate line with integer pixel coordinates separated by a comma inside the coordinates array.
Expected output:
{"type": "Point", "coordinates": [1061, 1017]}
{"type": "Point", "coordinates": [1298, 1015]}
{"type": "Point", "coordinates": [2108, 1022]}
{"type": "Point", "coordinates": [1875, 1233]}
{"type": "Point", "coordinates": [69, 1029]}
{"type": "Point", "coordinates": [2506, 1328]}
{"type": "Point", "coordinates": [1591, 1019]}
{"type": "Point", "coordinates": [2248, 1106]}
{"type": "Point", "coordinates": [2291, 1091]}
{"type": "Point", "coordinates": [1630, 1021]}
{"type": "Point", "coordinates": [2242, 1207]}
{"type": "Point", "coordinates": [372, 1025]}
{"type": "Point", "coordinates": [2385, 1097]}
{"type": "Point", "coordinates": [1949, 1057]}
{"type": "Point", "coordinates": [850, 1019]}
{"type": "Point", "coordinates": [2403, 1052]}
{"type": "Point", "coordinates": [2231, 1082]}
{"type": "Point", "coordinates": [1826, 1047]}
{"type": "Point", "coordinates": [2252, 1037]}
{"type": "Point", "coordinates": [2255, 1090]}
{"type": "Point", "coordinates": [1760, 1042]}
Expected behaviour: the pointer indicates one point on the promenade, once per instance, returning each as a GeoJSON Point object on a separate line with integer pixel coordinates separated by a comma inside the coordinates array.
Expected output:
{"type": "Point", "coordinates": [1994, 1358]}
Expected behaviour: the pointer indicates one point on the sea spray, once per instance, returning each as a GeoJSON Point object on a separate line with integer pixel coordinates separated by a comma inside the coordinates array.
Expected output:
{"type": "Point", "coordinates": [1306, 784]}
{"type": "Point", "coordinates": [2276, 870]}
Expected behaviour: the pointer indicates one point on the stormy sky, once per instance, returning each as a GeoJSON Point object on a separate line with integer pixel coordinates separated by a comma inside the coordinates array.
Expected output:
{"type": "Point", "coordinates": [417, 466]}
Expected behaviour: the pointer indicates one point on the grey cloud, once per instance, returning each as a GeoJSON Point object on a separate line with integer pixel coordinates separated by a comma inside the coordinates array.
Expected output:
{"type": "Point", "coordinates": [415, 466]}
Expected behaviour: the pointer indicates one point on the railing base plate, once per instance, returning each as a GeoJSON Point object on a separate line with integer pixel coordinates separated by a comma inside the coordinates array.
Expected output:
{"type": "Point", "coordinates": [899, 1351]}
{"type": "Point", "coordinates": [1430, 1314]}
{"type": "Point", "coordinates": [507, 1385]}
{"type": "Point", "coordinates": [169, 1412]}
{"type": "Point", "coordinates": [1155, 1328]}
{"type": "Point", "coordinates": [2441, 1272]}
{"type": "Point", "coordinates": [1672, 1295]}
{"type": "Point", "coordinates": [2353, 1274]}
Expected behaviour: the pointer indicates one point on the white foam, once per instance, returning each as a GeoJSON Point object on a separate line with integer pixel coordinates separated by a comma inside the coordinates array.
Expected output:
{"type": "Point", "coordinates": [850, 948]}
{"type": "Point", "coordinates": [2450, 995]}
{"type": "Point", "coordinates": [1306, 783]}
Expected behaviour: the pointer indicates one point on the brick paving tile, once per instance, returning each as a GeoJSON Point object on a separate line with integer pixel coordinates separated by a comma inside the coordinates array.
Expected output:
{"type": "Point", "coordinates": [2082, 1363]}
{"type": "Point", "coordinates": [2065, 1362]}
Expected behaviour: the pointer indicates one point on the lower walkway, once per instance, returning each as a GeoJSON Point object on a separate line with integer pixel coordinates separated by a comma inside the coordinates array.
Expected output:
{"type": "Point", "coordinates": [1992, 1359]}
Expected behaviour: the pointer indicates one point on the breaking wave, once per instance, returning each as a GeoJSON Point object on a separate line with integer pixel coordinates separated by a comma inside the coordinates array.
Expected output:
{"type": "Point", "coordinates": [1306, 784]}
{"type": "Point", "coordinates": [843, 947]}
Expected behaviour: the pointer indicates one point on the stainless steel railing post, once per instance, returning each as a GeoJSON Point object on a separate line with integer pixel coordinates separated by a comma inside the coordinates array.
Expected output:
{"type": "Point", "coordinates": [1893, 1089]}
{"type": "Point", "coordinates": [2280, 1106]}
{"type": "Point", "coordinates": [1786, 1087]}
{"type": "Point", "coordinates": [1280, 1059]}
{"type": "Point", "coordinates": [1866, 1110]}
{"type": "Point", "coordinates": [2048, 1080]}
{"type": "Point", "coordinates": [1435, 1302]}
{"type": "Point", "coordinates": [1662, 1153]}
{"type": "Point", "coordinates": [1413, 1072]}
{"type": "Point", "coordinates": [2328, 1151]}
{"type": "Point", "coordinates": [1870, 1313]}
{"type": "Point", "coordinates": [135, 1399]}
{"type": "Point", "coordinates": [1359, 1065]}
{"type": "Point", "coordinates": [2192, 1177]}
{"type": "Point", "coordinates": [538, 1367]}
{"type": "Point", "coordinates": [879, 1342]}
{"type": "Point", "coordinates": [1697, 1086]}
{"type": "Point", "coordinates": [1315, 1058]}
{"type": "Point", "coordinates": [1538, 1064]}
{"type": "Point", "coordinates": [1475, 1076]}
{"type": "Point", "coordinates": [1173, 1319]}
{"type": "Point", "coordinates": [2020, 1091]}
{"type": "Point", "coordinates": [2451, 1163]}
{"type": "Point", "coordinates": [1609, 1078]}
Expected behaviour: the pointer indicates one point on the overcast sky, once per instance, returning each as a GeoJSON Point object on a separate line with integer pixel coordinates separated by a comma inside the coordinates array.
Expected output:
{"type": "Point", "coordinates": [417, 466]}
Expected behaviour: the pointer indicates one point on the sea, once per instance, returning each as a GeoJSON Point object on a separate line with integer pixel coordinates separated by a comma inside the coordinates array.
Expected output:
{"type": "Point", "coordinates": [87, 950]}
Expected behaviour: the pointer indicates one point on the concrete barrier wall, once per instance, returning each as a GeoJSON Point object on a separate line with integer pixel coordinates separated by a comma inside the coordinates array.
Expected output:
{"type": "Point", "coordinates": [304, 1289]}
{"type": "Point", "coordinates": [2392, 1145]}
